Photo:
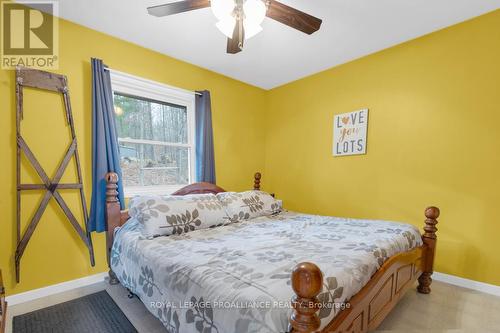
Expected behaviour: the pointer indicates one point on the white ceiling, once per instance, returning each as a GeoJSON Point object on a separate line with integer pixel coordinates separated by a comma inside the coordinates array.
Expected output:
{"type": "Point", "coordinates": [279, 54]}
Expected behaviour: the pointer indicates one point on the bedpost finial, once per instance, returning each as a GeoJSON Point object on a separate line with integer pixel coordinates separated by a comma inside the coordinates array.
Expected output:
{"type": "Point", "coordinates": [431, 213]}
{"type": "Point", "coordinates": [307, 283]}
{"type": "Point", "coordinates": [111, 186]}
{"type": "Point", "coordinates": [307, 280]}
{"type": "Point", "coordinates": [256, 181]}
{"type": "Point", "coordinates": [111, 177]}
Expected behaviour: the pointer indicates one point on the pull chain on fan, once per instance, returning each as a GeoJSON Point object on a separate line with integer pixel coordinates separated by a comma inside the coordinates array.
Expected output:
{"type": "Point", "coordinates": [235, 43]}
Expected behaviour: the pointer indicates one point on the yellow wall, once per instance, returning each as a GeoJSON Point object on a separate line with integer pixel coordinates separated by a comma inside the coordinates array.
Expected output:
{"type": "Point", "coordinates": [54, 255]}
{"type": "Point", "coordinates": [433, 138]}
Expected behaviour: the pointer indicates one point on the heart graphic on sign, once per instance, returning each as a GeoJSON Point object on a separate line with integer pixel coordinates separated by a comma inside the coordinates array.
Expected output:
{"type": "Point", "coordinates": [345, 120]}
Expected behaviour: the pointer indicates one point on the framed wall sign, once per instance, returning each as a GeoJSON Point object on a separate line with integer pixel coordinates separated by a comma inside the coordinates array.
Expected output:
{"type": "Point", "coordinates": [349, 133]}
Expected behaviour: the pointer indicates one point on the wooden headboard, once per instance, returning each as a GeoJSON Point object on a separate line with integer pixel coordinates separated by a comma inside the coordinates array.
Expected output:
{"type": "Point", "coordinates": [115, 217]}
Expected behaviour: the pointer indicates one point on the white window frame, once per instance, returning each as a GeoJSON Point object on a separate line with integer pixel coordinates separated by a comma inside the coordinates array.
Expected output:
{"type": "Point", "coordinates": [136, 86]}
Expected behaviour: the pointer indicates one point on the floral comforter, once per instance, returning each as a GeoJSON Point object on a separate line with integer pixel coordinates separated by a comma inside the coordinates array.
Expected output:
{"type": "Point", "coordinates": [236, 278]}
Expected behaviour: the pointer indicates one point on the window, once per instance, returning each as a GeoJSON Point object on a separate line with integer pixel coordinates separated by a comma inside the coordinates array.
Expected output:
{"type": "Point", "coordinates": [155, 125]}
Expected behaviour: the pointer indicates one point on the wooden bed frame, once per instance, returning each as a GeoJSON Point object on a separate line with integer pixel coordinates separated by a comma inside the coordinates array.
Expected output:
{"type": "Point", "coordinates": [367, 309]}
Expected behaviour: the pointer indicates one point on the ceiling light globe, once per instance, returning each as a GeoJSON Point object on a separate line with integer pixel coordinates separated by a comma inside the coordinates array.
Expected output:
{"type": "Point", "coordinates": [226, 26]}
{"type": "Point", "coordinates": [255, 12]}
{"type": "Point", "coordinates": [222, 9]}
{"type": "Point", "coordinates": [251, 29]}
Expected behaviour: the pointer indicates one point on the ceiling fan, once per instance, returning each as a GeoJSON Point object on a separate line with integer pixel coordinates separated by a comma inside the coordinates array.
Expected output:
{"type": "Point", "coordinates": [241, 19]}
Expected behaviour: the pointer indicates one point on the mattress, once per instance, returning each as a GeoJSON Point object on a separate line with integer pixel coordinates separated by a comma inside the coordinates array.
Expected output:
{"type": "Point", "coordinates": [236, 278]}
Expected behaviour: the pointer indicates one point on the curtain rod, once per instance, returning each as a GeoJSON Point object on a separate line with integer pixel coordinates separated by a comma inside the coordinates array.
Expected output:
{"type": "Point", "coordinates": [171, 87]}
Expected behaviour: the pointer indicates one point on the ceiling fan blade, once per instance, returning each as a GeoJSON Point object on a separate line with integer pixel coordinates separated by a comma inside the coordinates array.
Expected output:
{"type": "Point", "coordinates": [177, 7]}
{"type": "Point", "coordinates": [292, 17]}
{"type": "Point", "coordinates": [235, 44]}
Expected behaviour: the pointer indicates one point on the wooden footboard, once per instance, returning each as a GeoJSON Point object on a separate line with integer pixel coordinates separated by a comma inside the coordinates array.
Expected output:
{"type": "Point", "coordinates": [368, 308]}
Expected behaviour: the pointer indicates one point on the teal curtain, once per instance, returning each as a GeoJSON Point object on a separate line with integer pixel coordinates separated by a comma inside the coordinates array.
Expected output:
{"type": "Point", "coordinates": [205, 159]}
{"type": "Point", "coordinates": [105, 148]}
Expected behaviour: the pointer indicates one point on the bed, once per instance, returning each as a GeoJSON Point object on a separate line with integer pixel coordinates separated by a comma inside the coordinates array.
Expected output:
{"type": "Point", "coordinates": [279, 273]}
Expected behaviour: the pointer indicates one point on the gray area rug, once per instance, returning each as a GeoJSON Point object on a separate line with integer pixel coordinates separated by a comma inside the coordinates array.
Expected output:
{"type": "Point", "coordinates": [92, 313]}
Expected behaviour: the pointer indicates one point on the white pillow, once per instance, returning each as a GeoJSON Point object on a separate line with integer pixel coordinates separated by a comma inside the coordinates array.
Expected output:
{"type": "Point", "coordinates": [248, 205]}
{"type": "Point", "coordinates": [175, 215]}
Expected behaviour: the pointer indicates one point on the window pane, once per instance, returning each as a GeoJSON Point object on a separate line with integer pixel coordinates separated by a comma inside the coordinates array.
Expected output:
{"type": "Point", "coordinates": [139, 118]}
{"type": "Point", "coordinates": [146, 165]}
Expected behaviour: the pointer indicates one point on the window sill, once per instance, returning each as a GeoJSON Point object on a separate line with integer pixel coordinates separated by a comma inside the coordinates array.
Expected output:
{"type": "Point", "coordinates": [133, 191]}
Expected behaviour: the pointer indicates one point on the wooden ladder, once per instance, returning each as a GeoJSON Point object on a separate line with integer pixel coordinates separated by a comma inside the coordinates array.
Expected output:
{"type": "Point", "coordinates": [37, 79]}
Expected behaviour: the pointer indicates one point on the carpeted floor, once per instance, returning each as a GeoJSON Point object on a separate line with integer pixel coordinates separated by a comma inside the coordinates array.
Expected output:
{"type": "Point", "coordinates": [92, 313]}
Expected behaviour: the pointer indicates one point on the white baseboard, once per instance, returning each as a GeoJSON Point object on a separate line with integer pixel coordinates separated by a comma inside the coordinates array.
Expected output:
{"type": "Point", "coordinates": [55, 289]}
{"type": "Point", "coordinates": [466, 283]}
